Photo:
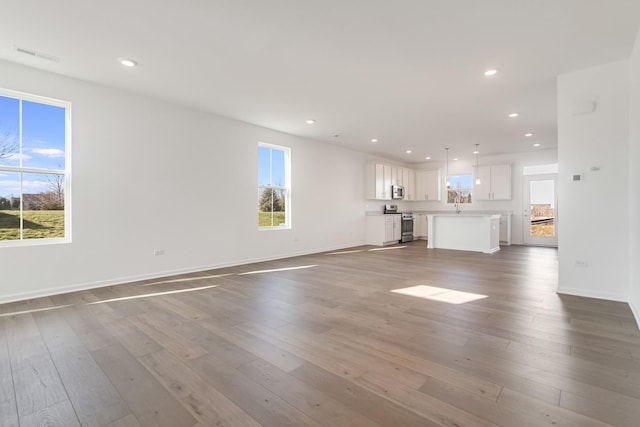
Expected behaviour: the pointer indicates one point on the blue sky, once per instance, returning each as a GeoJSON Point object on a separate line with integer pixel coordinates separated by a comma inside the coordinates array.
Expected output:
{"type": "Point", "coordinates": [270, 166]}
{"type": "Point", "coordinates": [465, 181]}
{"type": "Point", "coordinates": [43, 142]}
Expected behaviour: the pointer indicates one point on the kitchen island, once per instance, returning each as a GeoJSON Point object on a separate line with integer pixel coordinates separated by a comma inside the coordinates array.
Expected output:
{"type": "Point", "coordinates": [468, 232]}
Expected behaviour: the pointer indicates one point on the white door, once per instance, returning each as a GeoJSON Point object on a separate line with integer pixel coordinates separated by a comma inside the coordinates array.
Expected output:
{"type": "Point", "coordinates": [540, 210]}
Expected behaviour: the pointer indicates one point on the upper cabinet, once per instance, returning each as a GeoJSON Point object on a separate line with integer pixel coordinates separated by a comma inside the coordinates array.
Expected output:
{"type": "Point", "coordinates": [380, 177]}
{"type": "Point", "coordinates": [378, 181]}
{"type": "Point", "coordinates": [428, 185]}
{"type": "Point", "coordinates": [409, 183]}
{"type": "Point", "coordinates": [495, 183]}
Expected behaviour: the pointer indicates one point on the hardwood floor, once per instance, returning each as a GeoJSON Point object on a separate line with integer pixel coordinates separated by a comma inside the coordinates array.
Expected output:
{"type": "Point", "coordinates": [323, 340]}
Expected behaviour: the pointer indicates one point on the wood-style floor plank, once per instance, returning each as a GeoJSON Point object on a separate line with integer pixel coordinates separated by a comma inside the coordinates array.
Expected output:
{"type": "Point", "coordinates": [151, 403]}
{"type": "Point", "coordinates": [59, 414]}
{"type": "Point", "coordinates": [93, 397]}
{"type": "Point", "coordinates": [261, 404]}
{"type": "Point", "coordinates": [8, 408]}
{"type": "Point", "coordinates": [35, 377]}
{"type": "Point", "coordinates": [205, 402]}
{"type": "Point", "coordinates": [323, 339]}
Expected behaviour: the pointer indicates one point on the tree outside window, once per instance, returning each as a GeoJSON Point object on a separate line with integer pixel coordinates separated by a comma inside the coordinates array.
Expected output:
{"type": "Point", "coordinates": [460, 188]}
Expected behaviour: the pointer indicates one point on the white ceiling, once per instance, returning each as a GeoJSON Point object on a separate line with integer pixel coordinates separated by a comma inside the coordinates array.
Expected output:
{"type": "Point", "coordinates": [407, 72]}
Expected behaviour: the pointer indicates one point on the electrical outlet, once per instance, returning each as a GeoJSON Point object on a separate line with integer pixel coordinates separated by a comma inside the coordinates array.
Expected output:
{"type": "Point", "coordinates": [158, 252]}
{"type": "Point", "coordinates": [582, 263]}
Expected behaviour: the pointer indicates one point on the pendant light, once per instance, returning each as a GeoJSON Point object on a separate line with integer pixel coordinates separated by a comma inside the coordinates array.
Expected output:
{"type": "Point", "coordinates": [447, 177]}
{"type": "Point", "coordinates": [477, 169]}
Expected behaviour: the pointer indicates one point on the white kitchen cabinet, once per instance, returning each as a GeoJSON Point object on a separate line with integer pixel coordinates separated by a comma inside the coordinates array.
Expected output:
{"type": "Point", "coordinates": [378, 181]}
{"type": "Point", "coordinates": [428, 185]}
{"type": "Point", "coordinates": [420, 226]}
{"type": "Point", "coordinates": [495, 183]}
{"type": "Point", "coordinates": [505, 229]}
{"type": "Point", "coordinates": [380, 177]}
{"type": "Point", "coordinates": [383, 229]}
{"type": "Point", "coordinates": [397, 228]}
{"type": "Point", "coordinates": [396, 175]}
{"type": "Point", "coordinates": [409, 184]}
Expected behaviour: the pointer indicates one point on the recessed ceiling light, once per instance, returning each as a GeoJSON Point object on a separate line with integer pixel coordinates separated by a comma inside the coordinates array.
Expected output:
{"type": "Point", "coordinates": [537, 144]}
{"type": "Point", "coordinates": [528, 134]}
{"type": "Point", "coordinates": [408, 151]}
{"type": "Point", "coordinates": [428, 158]}
{"type": "Point", "coordinates": [127, 62]}
{"type": "Point", "coordinates": [455, 158]}
{"type": "Point", "coordinates": [491, 72]}
{"type": "Point", "coordinates": [513, 115]}
{"type": "Point", "coordinates": [374, 140]}
{"type": "Point", "coordinates": [310, 121]}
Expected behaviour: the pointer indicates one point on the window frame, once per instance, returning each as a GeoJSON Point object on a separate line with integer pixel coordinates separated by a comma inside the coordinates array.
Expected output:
{"type": "Point", "coordinates": [286, 188]}
{"type": "Point", "coordinates": [66, 172]}
{"type": "Point", "coordinates": [447, 188]}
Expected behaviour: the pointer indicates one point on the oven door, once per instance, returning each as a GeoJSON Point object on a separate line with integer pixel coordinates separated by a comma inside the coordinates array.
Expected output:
{"type": "Point", "coordinates": [407, 230]}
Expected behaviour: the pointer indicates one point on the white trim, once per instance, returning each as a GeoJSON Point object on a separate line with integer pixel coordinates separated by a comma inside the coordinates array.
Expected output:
{"type": "Point", "coordinates": [128, 279]}
{"type": "Point", "coordinates": [34, 98]}
{"type": "Point", "coordinates": [35, 242]}
{"type": "Point", "coordinates": [591, 294]}
{"type": "Point", "coordinates": [32, 170]}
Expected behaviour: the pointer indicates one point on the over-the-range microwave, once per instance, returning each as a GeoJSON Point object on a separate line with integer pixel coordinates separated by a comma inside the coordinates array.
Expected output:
{"type": "Point", "coordinates": [397, 192]}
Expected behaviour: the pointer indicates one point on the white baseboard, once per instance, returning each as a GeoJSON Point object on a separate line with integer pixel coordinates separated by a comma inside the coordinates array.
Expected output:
{"type": "Point", "coordinates": [21, 296]}
{"type": "Point", "coordinates": [590, 294]}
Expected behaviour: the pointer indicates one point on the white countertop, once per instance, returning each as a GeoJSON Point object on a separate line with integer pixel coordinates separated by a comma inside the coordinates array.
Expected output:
{"type": "Point", "coordinates": [461, 215]}
{"type": "Point", "coordinates": [444, 212]}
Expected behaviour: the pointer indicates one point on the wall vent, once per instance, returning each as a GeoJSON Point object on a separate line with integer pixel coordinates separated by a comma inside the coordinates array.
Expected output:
{"type": "Point", "coordinates": [35, 54]}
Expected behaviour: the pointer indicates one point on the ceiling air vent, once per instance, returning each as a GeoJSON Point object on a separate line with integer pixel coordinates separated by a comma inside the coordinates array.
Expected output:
{"type": "Point", "coordinates": [36, 54]}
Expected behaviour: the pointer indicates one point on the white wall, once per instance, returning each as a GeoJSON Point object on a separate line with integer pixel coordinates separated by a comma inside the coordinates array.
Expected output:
{"type": "Point", "coordinates": [515, 205]}
{"type": "Point", "coordinates": [595, 212]}
{"type": "Point", "coordinates": [634, 180]}
{"type": "Point", "coordinates": [152, 175]}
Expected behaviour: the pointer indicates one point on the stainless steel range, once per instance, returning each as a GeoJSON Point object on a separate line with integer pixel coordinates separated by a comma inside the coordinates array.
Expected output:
{"type": "Point", "coordinates": [407, 222]}
{"type": "Point", "coordinates": [407, 227]}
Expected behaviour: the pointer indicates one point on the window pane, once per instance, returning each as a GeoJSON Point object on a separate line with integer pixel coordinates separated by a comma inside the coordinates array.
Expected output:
{"type": "Point", "coordinates": [43, 205]}
{"type": "Point", "coordinates": [271, 207]}
{"type": "Point", "coordinates": [9, 131]}
{"type": "Point", "coordinates": [9, 205]}
{"type": "Point", "coordinates": [542, 218]}
{"type": "Point", "coordinates": [43, 135]}
{"type": "Point", "coordinates": [277, 168]}
{"type": "Point", "coordinates": [460, 189]}
{"type": "Point", "coordinates": [463, 181]}
{"type": "Point", "coordinates": [264, 166]}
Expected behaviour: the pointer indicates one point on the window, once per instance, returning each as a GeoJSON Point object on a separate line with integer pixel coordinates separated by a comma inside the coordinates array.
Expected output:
{"type": "Point", "coordinates": [459, 188]}
{"type": "Point", "coordinates": [274, 188]}
{"type": "Point", "coordinates": [35, 135]}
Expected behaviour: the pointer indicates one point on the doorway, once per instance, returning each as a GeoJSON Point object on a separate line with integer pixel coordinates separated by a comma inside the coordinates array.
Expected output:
{"type": "Point", "coordinates": [540, 210]}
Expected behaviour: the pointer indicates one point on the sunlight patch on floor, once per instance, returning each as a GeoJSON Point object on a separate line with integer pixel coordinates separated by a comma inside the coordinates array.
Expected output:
{"type": "Point", "coordinates": [387, 249]}
{"type": "Point", "coordinates": [179, 291]}
{"type": "Point", "coordinates": [188, 279]}
{"type": "Point", "coordinates": [35, 310]}
{"type": "Point", "coordinates": [439, 294]}
{"type": "Point", "coordinates": [277, 269]}
{"type": "Point", "coordinates": [345, 252]}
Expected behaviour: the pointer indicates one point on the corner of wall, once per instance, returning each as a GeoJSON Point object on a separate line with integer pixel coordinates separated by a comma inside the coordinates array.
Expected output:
{"type": "Point", "coordinates": [634, 179]}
